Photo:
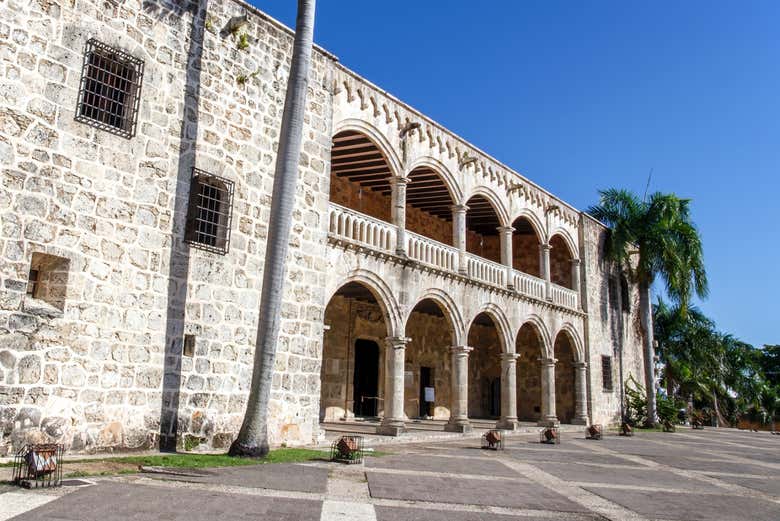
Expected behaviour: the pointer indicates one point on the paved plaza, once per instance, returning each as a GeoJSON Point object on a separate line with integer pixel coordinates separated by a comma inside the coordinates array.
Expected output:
{"type": "Point", "coordinates": [689, 475]}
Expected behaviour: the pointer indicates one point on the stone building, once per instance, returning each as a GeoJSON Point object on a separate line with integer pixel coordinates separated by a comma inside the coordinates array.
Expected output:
{"type": "Point", "coordinates": [425, 278]}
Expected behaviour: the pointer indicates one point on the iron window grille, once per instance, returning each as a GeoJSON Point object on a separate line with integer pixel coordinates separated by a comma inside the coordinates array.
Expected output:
{"type": "Point", "coordinates": [210, 212]}
{"type": "Point", "coordinates": [606, 373]}
{"type": "Point", "coordinates": [110, 90]}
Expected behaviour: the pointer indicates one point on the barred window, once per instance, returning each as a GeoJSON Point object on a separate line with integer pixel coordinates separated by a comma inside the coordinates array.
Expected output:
{"type": "Point", "coordinates": [209, 213]}
{"type": "Point", "coordinates": [110, 89]}
{"type": "Point", "coordinates": [606, 372]}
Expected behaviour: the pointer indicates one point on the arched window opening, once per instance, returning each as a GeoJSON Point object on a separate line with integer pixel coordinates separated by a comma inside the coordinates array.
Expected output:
{"type": "Point", "coordinates": [482, 222]}
{"type": "Point", "coordinates": [560, 262]}
{"type": "Point", "coordinates": [429, 205]}
{"type": "Point", "coordinates": [525, 247]}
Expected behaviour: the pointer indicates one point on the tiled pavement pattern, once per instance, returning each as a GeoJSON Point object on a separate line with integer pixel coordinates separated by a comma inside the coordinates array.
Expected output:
{"type": "Point", "coordinates": [688, 475]}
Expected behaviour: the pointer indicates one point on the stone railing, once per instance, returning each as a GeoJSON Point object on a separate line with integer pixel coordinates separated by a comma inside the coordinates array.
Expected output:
{"type": "Point", "coordinates": [431, 252]}
{"type": "Point", "coordinates": [484, 270]}
{"type": "Point", "coordinates": [564, 296]}
{"type": "Point", "coordinates": [528, 285]}
{"type": "Point", "coordinates": [361, 228]}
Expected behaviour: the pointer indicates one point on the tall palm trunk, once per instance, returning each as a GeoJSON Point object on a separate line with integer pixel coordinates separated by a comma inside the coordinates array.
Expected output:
{"type": "Point", "coordinates": [252, 439]}
{"type": "Point", "coordinates": [646, 312]}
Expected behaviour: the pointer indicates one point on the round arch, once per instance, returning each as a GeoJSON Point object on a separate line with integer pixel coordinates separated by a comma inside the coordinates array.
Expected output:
{"type": "Point", "coordinates": [494, 200]}
{"type": "Point", "coordinates": [536, 223]}
{"type": "Point", "coordinates": [376, 137]}
{"type": "Point", "coordinates": [449, 180]}
{"type": "Point", "coordinates": [448, 306]}
{"type": "Point", "coordinates": [536, 322]}
{"type": "Point", "coordinates": [381, 292]}
{"type": "Point", "coordinates": [502, 324]}
{"type": "Point", "coordinates": [575, 340]}
{"type": "Point", "coordinates": [571, 244]}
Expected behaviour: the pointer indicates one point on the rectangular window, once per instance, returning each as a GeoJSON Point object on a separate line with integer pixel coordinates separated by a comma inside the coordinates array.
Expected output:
{"type": "Point", "coordinates": [209, 213]}
{"type": "Point", "coordinates": [110, 89]}
{"type": "Point", "coordinates": [606, 372]}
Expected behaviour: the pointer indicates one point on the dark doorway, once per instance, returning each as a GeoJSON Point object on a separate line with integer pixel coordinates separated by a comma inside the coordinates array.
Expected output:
{"type": "Point", "coordinates": [365, 389]}
{"type": "Point", "coordinates": [495, 397]}
{"type": "Point", "coordinates": [426, 380]}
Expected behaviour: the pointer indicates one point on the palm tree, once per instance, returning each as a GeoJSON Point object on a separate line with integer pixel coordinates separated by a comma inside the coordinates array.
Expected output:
{"type": "Point", "coordinates": [252, 439]}
{"type": "Point", "coordinates": [660, 231]}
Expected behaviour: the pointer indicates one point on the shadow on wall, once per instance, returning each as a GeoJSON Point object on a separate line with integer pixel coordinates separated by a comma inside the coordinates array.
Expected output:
{"type": "Point", "coordinates": [179, 261]}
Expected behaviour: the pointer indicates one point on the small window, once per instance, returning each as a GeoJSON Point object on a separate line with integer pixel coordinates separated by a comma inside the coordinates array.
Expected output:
{"type": "Point", "coordinates": [32, 283]}
{"type": "Point", "coordinates": [48, 279]}
{"type": "Point", "coordinates": [110, 89]}
{"type": "Point", "coordinates": [625, 297]}
{"type": "Point", "coordinates": [209, 212]}
{"type": "Point", "coordinates": [606, 372]}
{"type": "Point", "coordinates": [189, 346]}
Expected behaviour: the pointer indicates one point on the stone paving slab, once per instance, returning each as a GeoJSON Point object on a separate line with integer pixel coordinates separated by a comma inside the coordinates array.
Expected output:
{"type": "Point", "coordinates": [121, 502]}
{"type": "Point", "coordinates": [712, 465]}
{"type": "Point", "coordinates": [552, 455]}
{"type": "Point", "coordinates": [384, 513]}
{"type": "Point", "coordinates": [634, 477]}
{"type": "Point", "coordinates": [768, 485]}
{"type": "Point", "coordinates": [691, 506]}
{"type": "Point", "coordinates": [282, 476]}
{"type": "Point", "coordinates": [483, 467]}
{"type": "Point", "coordinates": [519, 493]}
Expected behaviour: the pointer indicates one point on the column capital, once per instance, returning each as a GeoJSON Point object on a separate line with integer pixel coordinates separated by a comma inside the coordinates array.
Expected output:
{"type": "Point", "coordinates": [580, 365]}
{"type": "Point", "coordinates": [397, 342]}
{"type": "Point", "coordinates": [505, 229]}
{"type": "Point", "coordinates": [509, 357]}
{"type": "Point", "coordinates": [459, 208]}
{"type": "Point", "coordinates": [545, 246]}
{"type": "Point", "coordinates": [461, 350]}
{"type": "Point", "coordinates": [545, 361]}
{"type": "Point", "coordinates": [399, 179]}
{"type": "Point", "coordinates": [575, 261]}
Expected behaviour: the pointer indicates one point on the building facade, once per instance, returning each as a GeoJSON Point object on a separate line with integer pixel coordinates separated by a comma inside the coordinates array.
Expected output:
{"type": "Point", "coordinates": [425, 279]}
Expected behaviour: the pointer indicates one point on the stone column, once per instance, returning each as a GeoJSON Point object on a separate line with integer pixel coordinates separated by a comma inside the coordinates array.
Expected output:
{"type": "Point", "coordinates": [393, 421]}
{"type": "Point", "coordinates": [548, 393]}
{"type": "Point", "coordinates": [398, 196]}
{"type": "Point", "coordinates": [580, 393]}
{"type": "Point", "coordinates": [505, 235]}
{"type": "Point", "coordinates": [508, 391]}
{"type": "Point", "coordinates": [459, 235]}
{"type": "Point", "coordinates": [544, 265]}
{"type": "Point", "coordinates": [575, 280]}
{"type": "Point", "coordinates": [459, 408]}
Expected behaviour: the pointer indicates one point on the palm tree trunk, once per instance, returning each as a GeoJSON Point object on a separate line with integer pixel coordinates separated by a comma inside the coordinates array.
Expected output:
{"type": "Point", "coordinates": [252, 439]}
{"type": "Point", "coordinates": [646, 312]}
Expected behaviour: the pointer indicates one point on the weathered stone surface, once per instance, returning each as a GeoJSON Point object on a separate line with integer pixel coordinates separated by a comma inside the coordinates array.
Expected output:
{"type": "Point", "coordinates": [29, 369]}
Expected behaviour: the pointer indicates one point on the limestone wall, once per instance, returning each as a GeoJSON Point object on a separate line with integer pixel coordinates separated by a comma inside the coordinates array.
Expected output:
{"type": "Point", "coordinates": [107, 370]}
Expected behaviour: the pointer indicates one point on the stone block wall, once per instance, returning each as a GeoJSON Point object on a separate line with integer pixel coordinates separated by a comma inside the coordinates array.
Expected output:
{"type": "Point", "coordinates": [105, 369]}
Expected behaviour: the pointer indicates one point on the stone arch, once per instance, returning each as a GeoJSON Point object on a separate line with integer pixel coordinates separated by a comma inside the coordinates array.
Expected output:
{"type": "Point", "coordinates": [532, 343]}
{"type": "Point", "coordinates": [450, 181]}
{"type": "Point", "coordinates": [376, 136]}
{"type": "Point", "coordinates": [494, 200]}
{"type": "Point", "coordinates": [571, 244]}
{"type": "Point", "coordinates": [567, 355]}
{"type": "Point", "coordinates": [534, 220]}
{"type": "Point", "coordinates": [575, 340]}
{"type": "Point", "coordinates": [502, 324]}
{"type": "Point", "coordinates": [381, 292]}
{"type": "Point", "coordinates": [536, 322]}
{"type": "Point", "coordinates": [448, 306]}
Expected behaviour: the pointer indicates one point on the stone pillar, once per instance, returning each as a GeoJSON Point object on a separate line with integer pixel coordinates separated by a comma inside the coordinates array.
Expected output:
{"type": "Point", "coordinates": [548, 393]}
{"type": "Point", "coordinates": [580, 393]}
{"type": "Point", "coordinates": [398, 197]}
{"type": "Point", "coordinates": [459, 235]}
{"type": "Point", "coordinates": [393, 421]}
{"type": "Point", "coordinates": [505, 235]}
{"type": "Point", "coordinates": [459, 408]}
{"type": "Point", "coordinates": [508, 391]}
{"type": "Point", "coordinates": [544, 265]}
{"type": "Point", "coordinates": [575, 280]}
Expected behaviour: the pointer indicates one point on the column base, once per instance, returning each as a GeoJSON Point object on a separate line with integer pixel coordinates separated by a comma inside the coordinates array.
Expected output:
{"type": "Point", "coordinates": [549, 421]}
{"type": "Point", "coordinates": [581, 420]}
{"type": "Point", "coordinates": [458, 426]}
{"type": "Point", "coordinates": [393, 428]}
{"type": "Point", "coordinates": [507, 424]}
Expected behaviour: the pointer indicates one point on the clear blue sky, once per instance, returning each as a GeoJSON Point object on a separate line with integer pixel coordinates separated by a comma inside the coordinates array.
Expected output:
{"type": "Point", "coordinates": [580, 96]}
